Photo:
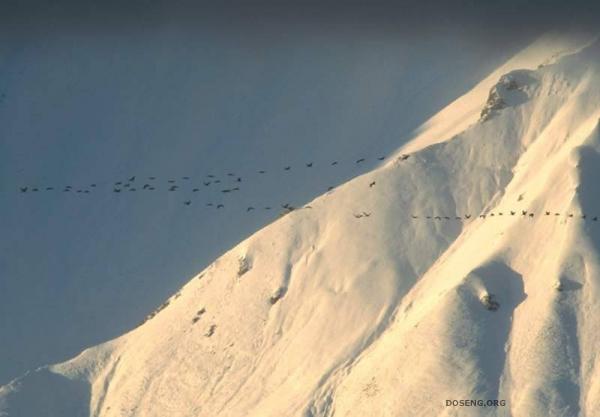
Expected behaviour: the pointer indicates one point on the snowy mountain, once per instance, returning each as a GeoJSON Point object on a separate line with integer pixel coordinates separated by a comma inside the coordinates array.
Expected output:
{"type": "Point", "coordinates": [168, 101]}
{"type": "Point", "coordinates": [464, 267]}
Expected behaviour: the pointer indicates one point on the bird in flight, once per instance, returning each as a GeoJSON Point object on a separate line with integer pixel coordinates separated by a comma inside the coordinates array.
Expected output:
{"type": "Point", "coordinates": [132, 179]}
{"type": "Point", "coordinates": [366, 214]}
{"type": "Point", "coordinates": [250, 208]}
{"type": "Point", "coordinates": [358, 161]}
{"type": "Point", "coordinates": [310, 164]}
{"type": "Point", "coordinates": [23, 189]}
{"type": "Point", "coordinates": [187, 203]}
{"type": "Point", "coordinates": [334, 163]}
{"type": "Point", "coordinates": [381, 158]}
{"type": "Point", "coordinates": [173, 188]}
{"type": "Point", "coordinates": [358, 216]}
{"type": "Point", "coordinates": [287, 168]}
{"type": "Point", "coordinates": [372, 184]}
{"type": "Point", "coordinates": [404, 157]}
{"type": "Point", "coordinates": [220, 206]}
{"type": "Point", "coordinates": [262, 172]}
{"type": "Point", "coordinates": [195, 190]}
{"type": "Point", "coordinates": [206, 183]}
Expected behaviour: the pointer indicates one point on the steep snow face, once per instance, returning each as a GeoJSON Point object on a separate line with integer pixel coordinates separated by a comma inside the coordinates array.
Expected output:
{"type": "Point", "coordinates": [408, 286]}
{"type": "Point", "coordinates": [173, 102]}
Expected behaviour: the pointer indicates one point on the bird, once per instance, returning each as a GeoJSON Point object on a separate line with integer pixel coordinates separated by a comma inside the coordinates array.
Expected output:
{"type": "Point", "coordinates": [116, 190]}
{"type": "Point", "coordinates": [557, 214]}
{"type": "Point", "coordinates": [151, 188]}
{"type": "Point", "coordinates": [116, 183]}
{"type": "Point", "coordinates": [206, 183]}
{"type": "Point", "coordinates": [482, 216]}
{"type": "Point", "coordinates": [414, 217]}
{"type": "Point", "coordinates": [467, 216]}
{"type": "Point", "coordinates": [381, 158]}
{"type": "Point", "coordinates": [457, 218]}
{"type": "Point", "coordinates": [330, 188]}
{"type": "Point", "coordinates": [131, 189]}
{"type": "Point", "coordinates": [428, 217]}
{"type": "Point", "coordinates": [595, 219]}
{"type": "Point", "coordinates": [262, 172]}
{"type": "Point", "coordinates": [132, 179]}
{"type": "Point", "coordinates": [126, 185]}
{"type": "Point", "coordinates": [358, 161]}
{"type": "Point", "coordinates": [267, 208]}
{"type": "Point", "coordinates": [492, 214]}
{"type": "Point", "coordinates": [404, 157]}
{"type": "Point", "coordinates": [171, 181]}
{"type": "Point", "coordinates": [358, 216]}
{"type": "Point", "coordinates": [173, 188]}
{"type": "Point", "coordinates": [547, 213]}
{"type": "Point", "coordinates": [23, 189]}
{"type": "Point", "coordinates": [187, 203]}
{"type": "Point", "coordinates": [334, 163]}
{"type": "Point", "coordinates": [195, 190]}
{"type": "Point", "coordinates": [66, 190]}
{"type": "Point", "coordinates": [34, 189]}
{"type": "Point", "coordinates": [307, 207]}
{"type": "Point", "coordinates": [583, 216]}
{"type": "Point", "coordinates": [287, 168]}
{"type": "Point", "coordinates": [366, 214]}
{"type": "Point", "coordinates": [249, 209]}
{"type": "Point", "coordinates": [310, 164]}
{"type": "Point", "coordinates": [235, 189]}
{"type": "Point", "coordinates": [286, 206]}
{"type": "Point", "coordinates": [239, 179]}
{"type": "Point", "coordinates": [146, 186]}
{"type": "Point", "coordinates": [220, 206]}
{"type": "Point", "coordinates": [217, 181]}
{"type": "Point", "coordinates": [512, 213]}
{"type": "Point", "coordinates": [500, 214]}
{"type": "Point", "coordinates": [49, 188]}
{"type": "Point", "coordinates": [185, 178]}
{"type": "Point", "coordinates": [226, 191]}
{"type": "Point", "coordinates": [437, 218]}
{"type": "Point", "coordinates": [151, 178]}
{"type": "Point", "coordinates": [210, 176]}
{"type": "Point", "coordinates": [446, 218]}
{"type": "Point", "coordinates": [93, 185]}
{"type": "Point", "coordinates": [372, 184]}
{"type": "Point", "coordinates": [86, 191]}
{"type": "Point", "coordinates": [524, 212]}
{"type": "Point", "coordinates": [230, 174]}
{"type": "Point", "coordinates": [531, 214]}
{"type": "Point", "coordinates": [570, 214]}
{"type": "Point", "coordinates": [209, 204]}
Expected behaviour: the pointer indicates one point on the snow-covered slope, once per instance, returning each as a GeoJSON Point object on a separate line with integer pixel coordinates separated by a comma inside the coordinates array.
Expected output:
{"type": "Point", "coordinates": [171, 101]}
{"type": "Point", "coordinates": [431, 278]}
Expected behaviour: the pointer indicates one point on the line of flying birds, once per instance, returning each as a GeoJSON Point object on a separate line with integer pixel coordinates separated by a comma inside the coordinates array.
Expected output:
{"type": "Point", "coordinates": [523, 213]}
{"type": "Point", "coordinates": [135, 183]}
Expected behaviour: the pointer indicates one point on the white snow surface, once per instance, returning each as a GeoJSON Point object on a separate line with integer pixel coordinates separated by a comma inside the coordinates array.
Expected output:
{"type": "Point", "coordinates": [322, 313]}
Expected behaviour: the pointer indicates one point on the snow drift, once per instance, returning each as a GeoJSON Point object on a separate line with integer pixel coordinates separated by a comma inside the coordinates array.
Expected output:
{"type": "Point", "coordinates": [446, 280]}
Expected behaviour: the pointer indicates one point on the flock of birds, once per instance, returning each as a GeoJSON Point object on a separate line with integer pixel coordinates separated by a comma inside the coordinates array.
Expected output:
{"type": "Point", "coordinates": [523, 213]}
{"type": "Point", "coordinates": [231, 184]}
{"type": "Point", "coordinates": [134, 183]}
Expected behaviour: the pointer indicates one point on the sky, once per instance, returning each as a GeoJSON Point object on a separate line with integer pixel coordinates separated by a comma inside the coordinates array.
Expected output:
{"type": "Point", "coordinates": [94, 93]}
